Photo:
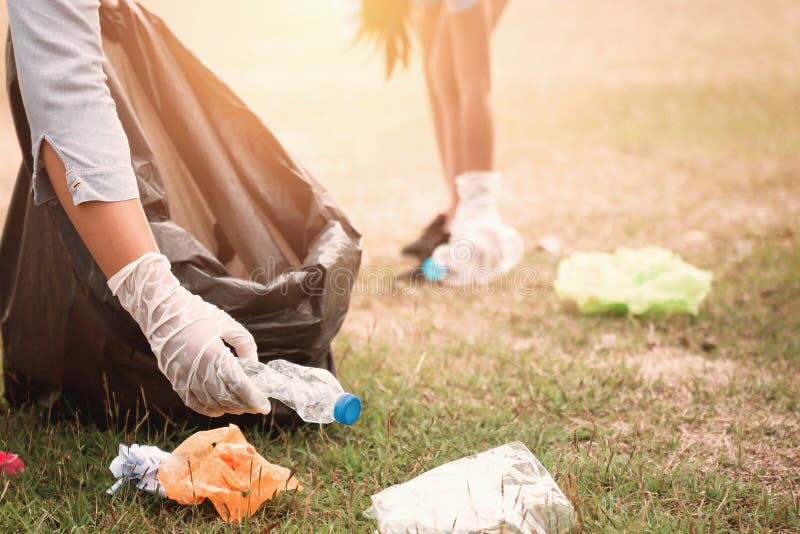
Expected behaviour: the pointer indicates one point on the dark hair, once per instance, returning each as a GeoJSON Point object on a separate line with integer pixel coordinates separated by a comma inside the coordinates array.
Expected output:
{"type": "Point", "coordinates": [385, 23]}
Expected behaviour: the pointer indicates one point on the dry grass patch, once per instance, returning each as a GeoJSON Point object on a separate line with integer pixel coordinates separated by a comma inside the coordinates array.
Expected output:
{"type": "Point", "coordinates": [748, 442]}
{"type": "Point", "coordinates": [676, 366]}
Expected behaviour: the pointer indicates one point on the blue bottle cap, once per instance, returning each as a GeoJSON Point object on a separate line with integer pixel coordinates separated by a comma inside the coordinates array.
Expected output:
{"type": "Point", "coordinates": [347, 409]}
{"type": "Point", "coordinates": [432, 270]}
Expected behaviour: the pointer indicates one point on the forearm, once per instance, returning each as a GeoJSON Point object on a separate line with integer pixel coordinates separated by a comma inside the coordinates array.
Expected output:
{"type": "Point", "coordinates": [470, 33]}
{"type": "Point", "coordinates": [116, 233]}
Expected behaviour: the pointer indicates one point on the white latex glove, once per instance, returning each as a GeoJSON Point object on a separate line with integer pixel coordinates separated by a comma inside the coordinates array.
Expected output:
{"type": "Point", "coordinates": [481, 246]}
{"type": "Point", "coordinates": [186, 334]}
{"type": "Point", "coordinates": [477, 200]}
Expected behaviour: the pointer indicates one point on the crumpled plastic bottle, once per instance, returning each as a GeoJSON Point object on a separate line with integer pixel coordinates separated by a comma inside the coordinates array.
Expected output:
{"type": "Point", "coordinates": [313, 393]}
{"type": "Point", "coordinates": [505, 489]}
{"type": "Point", "coordinates": [481, 246]}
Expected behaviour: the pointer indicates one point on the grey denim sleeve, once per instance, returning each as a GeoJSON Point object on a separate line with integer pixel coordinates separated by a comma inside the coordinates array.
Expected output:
{"type": "Point", "coordinates": [59, 57]}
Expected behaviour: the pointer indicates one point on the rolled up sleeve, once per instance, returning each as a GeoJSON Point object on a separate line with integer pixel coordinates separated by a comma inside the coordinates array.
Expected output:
{"type": "Point", "coordinates": [59, 57]}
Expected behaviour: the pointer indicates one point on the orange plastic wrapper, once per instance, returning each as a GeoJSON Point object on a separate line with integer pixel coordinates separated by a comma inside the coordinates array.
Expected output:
{"type": "Point", "coordinates": [220, 465]}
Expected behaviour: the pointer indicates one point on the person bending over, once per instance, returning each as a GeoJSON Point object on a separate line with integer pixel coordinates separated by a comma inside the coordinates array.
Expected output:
{"type": "Point", "coordinates": [454, 38]}
{"type": "Point", "coordinates": [82, 158]}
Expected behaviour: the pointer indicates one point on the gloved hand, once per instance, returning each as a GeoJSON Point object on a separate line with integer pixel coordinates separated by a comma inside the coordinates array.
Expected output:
{"type": "Point", "coordinates": [186, 334]}
{"type": "Point", "coordinates": [481, 246]}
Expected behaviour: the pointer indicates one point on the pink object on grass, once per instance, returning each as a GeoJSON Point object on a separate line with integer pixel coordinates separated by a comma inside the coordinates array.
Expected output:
{"type": "Point", "coordinates": [10, 463]}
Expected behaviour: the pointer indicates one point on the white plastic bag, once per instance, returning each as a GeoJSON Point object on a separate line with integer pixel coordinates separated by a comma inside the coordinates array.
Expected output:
{"type": "Point", "coordinates": [505, 489]}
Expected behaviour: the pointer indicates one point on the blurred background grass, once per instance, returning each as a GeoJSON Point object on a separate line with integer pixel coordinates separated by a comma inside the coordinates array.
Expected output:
{"type": "Point", "coordinates": [569, 76]}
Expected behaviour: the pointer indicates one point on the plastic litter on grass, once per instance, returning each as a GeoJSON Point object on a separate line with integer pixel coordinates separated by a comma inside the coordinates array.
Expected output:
{"type": "Point", "coordinates": [636, 281]}
{"type": "Point", "coordinates": [10, 464]}
{"type": "Point", "coordinates": [218, 465]}
{"type": "Point", "coordinates": [505, 489]}
{"type": "Point", "coordinates": [138, 465]}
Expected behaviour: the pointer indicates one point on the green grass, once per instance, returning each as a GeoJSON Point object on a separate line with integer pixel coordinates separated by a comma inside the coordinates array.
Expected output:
{"type": "Point", "coordinates": [612, 439]}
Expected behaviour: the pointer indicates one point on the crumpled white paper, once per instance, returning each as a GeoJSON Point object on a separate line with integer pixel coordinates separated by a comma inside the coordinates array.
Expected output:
{"type": "Point", "coordinates": [138, 464]}
{"type": "Point", "coordinates": [505, 489]}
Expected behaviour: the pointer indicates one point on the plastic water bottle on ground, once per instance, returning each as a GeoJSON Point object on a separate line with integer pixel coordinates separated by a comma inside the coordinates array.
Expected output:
{"type": "Point", "coordinates": [481, 246]}
{"type": "Point", "coordinates": [313, 393]}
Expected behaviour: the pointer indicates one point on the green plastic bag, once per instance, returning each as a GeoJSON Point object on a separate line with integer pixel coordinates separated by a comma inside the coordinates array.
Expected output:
{"type": "Point", "coordinates": [637, 281]}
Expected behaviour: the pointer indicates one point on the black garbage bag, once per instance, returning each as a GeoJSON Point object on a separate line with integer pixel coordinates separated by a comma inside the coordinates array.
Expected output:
{"type": "Point", "coordinates": [222, 197]}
